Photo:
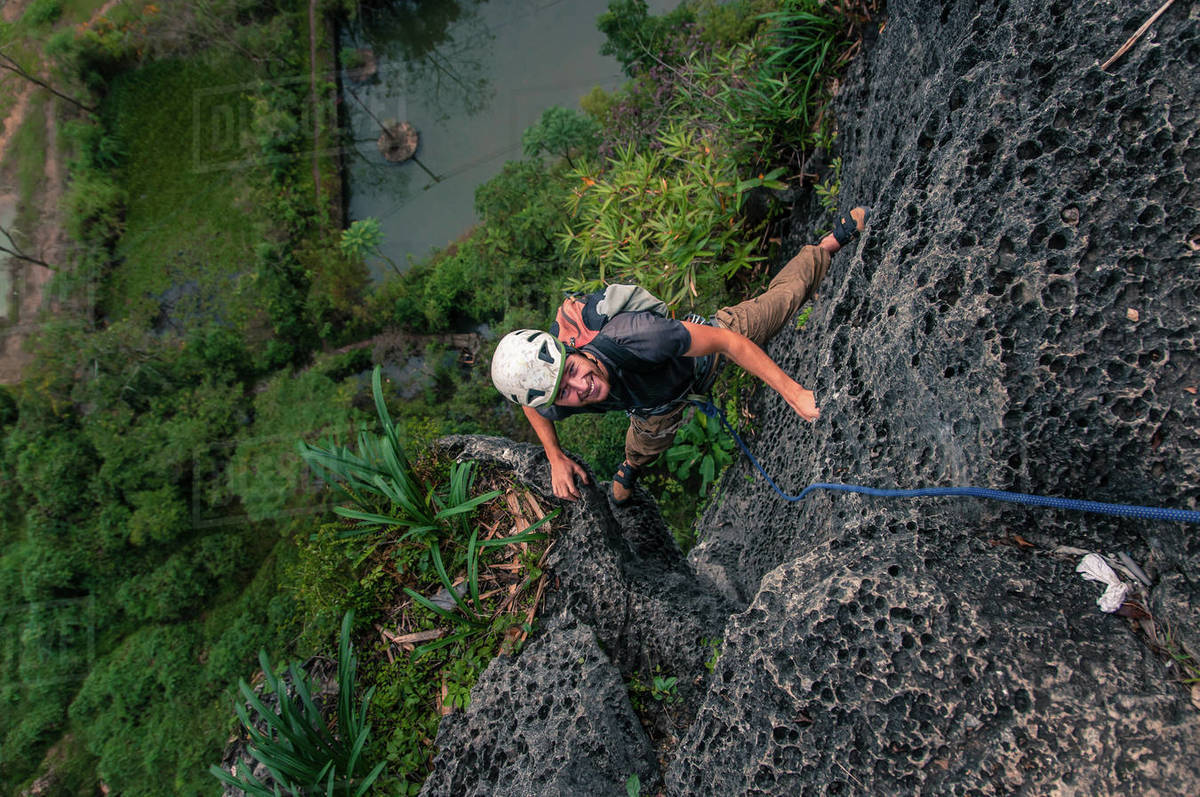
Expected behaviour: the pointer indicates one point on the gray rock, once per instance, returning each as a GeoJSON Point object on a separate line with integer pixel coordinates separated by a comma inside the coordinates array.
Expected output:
{"type": "Point", "coordinates": [882, 669]}
{"type": "Point", "coordinates": [618, 570]}
{"type": "Point", "coordinates": [1024, 202]}
{"type": "Point", "coordinates": [979, 333]}
{"type": "Point", "coordinates": [554, 720]}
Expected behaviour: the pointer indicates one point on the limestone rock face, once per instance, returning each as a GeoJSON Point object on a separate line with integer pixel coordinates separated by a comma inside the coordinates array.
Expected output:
{"type": "Point", "coordinates": [1021, 313]}
{"type": "Point", "coordinates": [555, 721]}
{"type": "Point", "coordinates": [911, 666]}
{"type": "Point", "coordinates": [617, 570]}
{"type": "Point", "coordinates": [978, 333]}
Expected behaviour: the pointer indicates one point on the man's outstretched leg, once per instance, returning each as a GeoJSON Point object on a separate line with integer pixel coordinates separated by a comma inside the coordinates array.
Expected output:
{"type": "Point", "coordinates": [761, 318]}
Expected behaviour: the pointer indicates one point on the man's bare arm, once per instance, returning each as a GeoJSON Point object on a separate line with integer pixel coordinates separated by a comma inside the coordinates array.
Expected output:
{"type": "Point", "coordinates": [563, 469]}
{"type": "Point", "coordinates": [747, 354]}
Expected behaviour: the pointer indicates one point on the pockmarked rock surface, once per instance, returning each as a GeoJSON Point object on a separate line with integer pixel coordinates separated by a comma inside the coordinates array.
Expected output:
{"type": "Point", "coordinates": [624, 601]}
{"type": "Point", "coordinates": [554, 721]}
{"type": "Point", "coordinates": [1020, 314]}
{"type": "Point", "coordinates": [979, 333]}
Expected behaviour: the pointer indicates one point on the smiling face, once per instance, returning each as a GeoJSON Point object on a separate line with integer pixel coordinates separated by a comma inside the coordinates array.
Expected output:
{"type": "Point", "coordinates": [584, 382]}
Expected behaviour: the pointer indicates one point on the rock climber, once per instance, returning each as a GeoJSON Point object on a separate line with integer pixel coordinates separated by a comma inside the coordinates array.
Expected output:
{"type": "Point", "coordinates": [661, 361]}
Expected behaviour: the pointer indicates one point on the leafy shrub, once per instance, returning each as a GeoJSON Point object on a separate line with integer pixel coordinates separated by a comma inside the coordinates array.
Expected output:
{"type": "Point", "coordinates": [635, 114]}
{"type": "Point", "coordinates": [264, 473]}
{"type": "Point", "coordinates": [389, 495]}
{"type": "Point", "coordinates": [381, 482]}
{"type": "Point", "coordinates": [509, 260]}
{"type": "Point", "coordinates": [57, 469]}
{"type": "Point", "coordinates": [8, 407]}
{"type": "Point", "coordinates": [42, 12]}
{"type": "Point", "coordinates": [95, 208]}
{"type": "Point", "coordinates": [701, 443]}
{"type": "Point", "coordinates": [32, 729]}
{"type": "Point", "coordinates": [726, 24]}
{"type": "Point", "coordinates": [94, 148]}
{"type": "Point", "coordinates": [220, 353]}
{"type": "Point", "coordinates": [95, 53]}
{"type": "Point", "coordinates": [136, 704]}
{"type": "Point", "coordinates": [633, 36]}
{"type": "Point", "coordinates": [159, 515]}
{"type": "Point", "coordinates": [561, 132]}
{"type": "Point", "coordinates": [48, 571]}
{"type": "Point", "coordinates": [169, 593]}
{"type": "Point", "coordinates": [597, 104]}
{"type": "Point", "coordinates": [764, 94]}
{"type": "Point", "coordinates": [285, 287]}
{"type": "Point", "coordinates": [666, 219]}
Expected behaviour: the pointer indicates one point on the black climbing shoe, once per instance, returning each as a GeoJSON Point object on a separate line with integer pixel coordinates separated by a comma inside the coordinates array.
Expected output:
{"type": "Point", "coordinates": [845, 228]}
{"type": "Point", "coordinates": [623, 481]}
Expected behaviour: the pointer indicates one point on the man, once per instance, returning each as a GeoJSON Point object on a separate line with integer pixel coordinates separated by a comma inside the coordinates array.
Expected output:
{"type": "Point", "coordinates": [645, 364]}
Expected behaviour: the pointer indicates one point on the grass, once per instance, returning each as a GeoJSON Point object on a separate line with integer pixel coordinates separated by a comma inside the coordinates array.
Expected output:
{"type": "Point", "coordinates": [190, 222]}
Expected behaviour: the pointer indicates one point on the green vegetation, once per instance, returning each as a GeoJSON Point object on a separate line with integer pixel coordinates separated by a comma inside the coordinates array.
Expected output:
{"type": "Point", "coordinates": [183, 226]}
{"type": "Point", "coordinates": [665, 218]}
{"type": "Point", "coordinates": [300, 752]}
{"type": "Point", "coordinates": [714, 645]}
{"type": "Point", "coordinates": [389, 496]}
{"type": "Point", "coordinates": [159, 523]}
{"type": "Point", "coordinates": [419, 544]}
{"type": "Point", "coordinates": [508, 268]}
{"type": "Point", "coordinates": [829, 189]}
{"type": "Point", "coordinates": [560, 133]}
{"type": "Point", "coordinates": [662, 689]}
{"type": "Point", "coordinates": [701, 443]}
{"type": "Point", "coordinates": [42, 12]}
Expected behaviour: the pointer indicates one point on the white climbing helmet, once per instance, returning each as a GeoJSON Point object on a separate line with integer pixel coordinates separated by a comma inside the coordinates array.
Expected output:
{"type": "Point", "coordinates": [527, 367]}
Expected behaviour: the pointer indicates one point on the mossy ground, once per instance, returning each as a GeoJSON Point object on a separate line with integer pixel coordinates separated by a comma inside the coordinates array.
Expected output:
{"type": "Point", "coordinates": [191, 221]}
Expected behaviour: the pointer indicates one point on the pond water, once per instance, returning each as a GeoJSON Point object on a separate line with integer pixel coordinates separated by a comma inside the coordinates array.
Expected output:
{"type": "Point", "coordinates": [470, 76]}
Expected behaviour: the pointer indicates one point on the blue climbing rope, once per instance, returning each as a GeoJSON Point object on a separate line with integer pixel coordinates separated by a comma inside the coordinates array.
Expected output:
{"type": "Point", "coordinates": [1095, 507]}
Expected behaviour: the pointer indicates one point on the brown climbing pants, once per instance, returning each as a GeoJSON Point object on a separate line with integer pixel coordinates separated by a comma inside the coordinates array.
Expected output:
{"type": "Point", "coordinates": [759, 319]}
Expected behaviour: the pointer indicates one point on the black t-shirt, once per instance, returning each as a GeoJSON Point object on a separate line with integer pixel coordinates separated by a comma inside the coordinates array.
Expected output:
{"type": "Point", "coordinates": [656, 371]}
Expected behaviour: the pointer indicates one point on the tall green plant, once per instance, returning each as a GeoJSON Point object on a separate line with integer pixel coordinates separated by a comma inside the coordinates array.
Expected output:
{"type": "Point", "coordinates": [362, 238]}
{"type": "Point", "coordinates": [389, 495]}
{"type": "Point", "coordinates": [667, 219]}
{"type": "Point", "coordinates": [380, 481]}
{"type": "Point", "coordinates": [300, 752]}
{"type": "Point", "coordinates": [767, 93]}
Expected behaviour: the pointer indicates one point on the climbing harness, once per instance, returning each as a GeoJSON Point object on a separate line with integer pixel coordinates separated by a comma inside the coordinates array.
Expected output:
{"type": "Point", "coordinates": [1096, 507]}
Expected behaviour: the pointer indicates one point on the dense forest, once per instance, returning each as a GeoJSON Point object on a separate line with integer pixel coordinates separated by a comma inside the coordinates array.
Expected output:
{"type": "Point", "coordinates": [199, 462]}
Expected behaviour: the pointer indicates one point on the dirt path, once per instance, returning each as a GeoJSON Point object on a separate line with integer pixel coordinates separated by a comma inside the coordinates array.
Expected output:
{"type": "Point", "coordinates": [13, 10]}
{"type": "Point", "coordinates": [49, 239]}
{"type": "Point", "coordinates": [16, 116]}
{"type": "Point", "coordinates": [30, 279]}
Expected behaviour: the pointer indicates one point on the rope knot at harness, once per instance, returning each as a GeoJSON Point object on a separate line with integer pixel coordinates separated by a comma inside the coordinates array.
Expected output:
{"type": "Point", "coordinates": [1095, 507]}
